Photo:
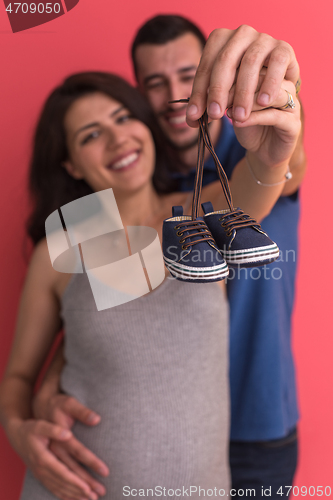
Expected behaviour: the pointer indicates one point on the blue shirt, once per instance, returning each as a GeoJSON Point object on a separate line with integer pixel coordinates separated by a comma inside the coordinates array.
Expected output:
{"type": "Point", "coordinates": [262, 375]}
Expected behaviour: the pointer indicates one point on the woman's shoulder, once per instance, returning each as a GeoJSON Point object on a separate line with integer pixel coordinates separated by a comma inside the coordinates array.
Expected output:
{"type": "Point", "coordinates": [41, 267]}
{"type": "Point", "coordinates": [40, 257]}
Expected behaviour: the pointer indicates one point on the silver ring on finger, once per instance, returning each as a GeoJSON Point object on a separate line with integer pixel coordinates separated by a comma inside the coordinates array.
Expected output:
{"type": "Point", "coordinates": [290, 103]}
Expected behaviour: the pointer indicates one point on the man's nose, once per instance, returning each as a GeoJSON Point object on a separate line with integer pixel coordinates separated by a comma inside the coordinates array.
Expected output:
{"type": "Point", "coordinates": [175, 93]}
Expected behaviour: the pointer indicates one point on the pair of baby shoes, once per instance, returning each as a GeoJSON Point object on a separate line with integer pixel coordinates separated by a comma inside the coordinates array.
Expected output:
{"type": "Point", "coordinates": [200, 249]}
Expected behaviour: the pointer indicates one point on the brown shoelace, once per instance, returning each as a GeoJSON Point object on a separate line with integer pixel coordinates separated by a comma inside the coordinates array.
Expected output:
{"type": "Point", "coordinates": [193, 225]}
{"type": "Point", "coordinates": [236, 218]}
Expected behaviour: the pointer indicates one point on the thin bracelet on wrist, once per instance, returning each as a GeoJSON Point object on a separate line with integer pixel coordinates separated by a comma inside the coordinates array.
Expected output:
{"type": "Point", "coordinates": [287, 176]}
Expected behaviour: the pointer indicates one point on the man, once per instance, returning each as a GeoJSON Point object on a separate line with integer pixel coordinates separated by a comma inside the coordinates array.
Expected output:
{"type": "Point", "coordinates": [166, 54]}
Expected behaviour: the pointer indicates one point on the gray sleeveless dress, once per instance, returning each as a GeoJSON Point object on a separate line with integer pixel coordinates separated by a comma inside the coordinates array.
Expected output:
{"type": "Point", "coordinates": [156, 370]}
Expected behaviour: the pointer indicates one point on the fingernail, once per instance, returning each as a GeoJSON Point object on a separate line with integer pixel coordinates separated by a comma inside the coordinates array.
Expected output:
{"type": "Point", "coordinates": [264, 99]}
{"type": "Point", "coordinates": [103, 471]}
{"type": "Point", "coordinates": [65, 434]}
{"type": "Point", "coordinates": [100, 490]}
{"type": "Point", "coordinates": [93, 496]}
{"type": "Point", "coordinates": [214, 109]}
{"type": "Point", "coordinates": [192, 110]}
{"type": "Point", "coordinates": [229, 112]}
{"type": "Point", "coordinates": [93, 418]}
{"type": "Point", "coordinates": [238, 113]}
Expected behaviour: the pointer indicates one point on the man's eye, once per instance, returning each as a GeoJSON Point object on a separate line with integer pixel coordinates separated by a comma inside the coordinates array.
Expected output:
{"type": "Point", "coordinates": [154, 85]}
{"type": "Point", "coordinates": [92, 135]}
{"type": "Point", "coordinates": [188, 78]}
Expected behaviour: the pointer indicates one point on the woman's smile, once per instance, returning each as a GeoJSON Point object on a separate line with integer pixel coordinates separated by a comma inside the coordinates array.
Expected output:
{"type": "Point", "coordinates": [107, 146]}
{"type": "Point", "coordinates": [125, 162]}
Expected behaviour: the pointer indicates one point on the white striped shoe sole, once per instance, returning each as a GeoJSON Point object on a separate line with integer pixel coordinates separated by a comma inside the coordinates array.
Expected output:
{"type": "Point", "coordinates": [180, 271]}
{"type": "Point", "coordinates": [250, 255]}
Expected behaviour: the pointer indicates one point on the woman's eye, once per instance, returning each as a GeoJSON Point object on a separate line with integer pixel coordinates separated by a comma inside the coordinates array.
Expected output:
{"type": "Point", "coordinates": [92, 135]}
{"type": "Point", "coordinates": [124, 118]}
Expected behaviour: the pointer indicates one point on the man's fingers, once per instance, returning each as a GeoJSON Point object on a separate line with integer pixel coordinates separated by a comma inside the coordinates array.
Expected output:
{"type": "Point", "coordinates": [80, 412]}
{"type": "Point", "coordinates": [273, 117]}
{"type": "Point", "coordinates": [280, 101]}
{"type": "Point", "coordinates": [224, 73]}
{"type": "Point", "coordinates": [198, 99]}
{"type": "Point", "coordinates": [236, 57]}
{"type": "Point", "coordinates": [248, 74]}
{"type": "Point", "coordinates": [86, 457]}
{"type": "Point", "coordinates": [282, 65]}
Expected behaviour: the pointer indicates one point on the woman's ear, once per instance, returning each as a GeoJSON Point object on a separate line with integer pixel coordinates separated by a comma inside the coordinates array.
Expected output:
{"type": "Point", "coordinates": [71, 169]}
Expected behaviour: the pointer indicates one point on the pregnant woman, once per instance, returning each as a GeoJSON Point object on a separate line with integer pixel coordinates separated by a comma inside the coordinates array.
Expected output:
{"type": "Point", "coordinates": [154, 368]}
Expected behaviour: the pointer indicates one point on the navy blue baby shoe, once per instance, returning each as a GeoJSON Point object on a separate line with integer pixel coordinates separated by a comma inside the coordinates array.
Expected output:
{"type": "Point", "coordinates": [240, 238]}
{"type": "Point", "coordinates": [189, 250]}
{"type": "Point", "coordinates": [230, 236]}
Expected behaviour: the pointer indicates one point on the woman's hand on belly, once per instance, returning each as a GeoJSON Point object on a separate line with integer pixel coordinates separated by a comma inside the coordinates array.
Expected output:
{"type": "Point", "coordinates": [31, 439]}
{"type": "Point", "coordinates": [65, 410]}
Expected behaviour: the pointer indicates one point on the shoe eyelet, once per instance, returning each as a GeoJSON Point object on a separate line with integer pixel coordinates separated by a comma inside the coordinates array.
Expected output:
{"type": "Point", "coordinates": [176, 227]}
{"type": "Point", "coordinates": [184, 247]}
{"type": "Point", "coordinates": [179, 233]}
{"type": "Point", "coordinates": [182, 240]}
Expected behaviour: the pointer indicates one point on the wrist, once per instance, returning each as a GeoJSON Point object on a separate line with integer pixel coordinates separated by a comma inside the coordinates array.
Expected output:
{"type": "Point", "coordinates": [12, 429]}
{"type": "Point", "coordinates": [267, 174]}
{"type": "Point", "coordinates": [287, 176]}
{"type": "Point", "coordinates": [41, 400]}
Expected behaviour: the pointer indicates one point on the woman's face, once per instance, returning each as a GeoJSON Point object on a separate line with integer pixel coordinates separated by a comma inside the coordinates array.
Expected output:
{"type": "Point", "coordinates": [107, 146]}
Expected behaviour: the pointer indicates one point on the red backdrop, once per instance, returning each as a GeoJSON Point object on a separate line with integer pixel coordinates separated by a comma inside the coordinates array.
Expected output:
{"type": "Point", "coordinates": [97, 35]}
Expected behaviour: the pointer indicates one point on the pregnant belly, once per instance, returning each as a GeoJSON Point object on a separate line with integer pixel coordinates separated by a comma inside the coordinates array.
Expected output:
{"type": "Point", "coordinates": [150, 439]}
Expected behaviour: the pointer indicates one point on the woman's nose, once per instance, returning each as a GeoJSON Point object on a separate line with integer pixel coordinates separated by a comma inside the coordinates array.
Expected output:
{"type": "Point", "coordinates": [115, 137]}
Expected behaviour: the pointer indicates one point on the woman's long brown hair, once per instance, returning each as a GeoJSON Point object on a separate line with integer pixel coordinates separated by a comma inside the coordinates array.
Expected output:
{"type": "Point", "coordinates": [49, 183]}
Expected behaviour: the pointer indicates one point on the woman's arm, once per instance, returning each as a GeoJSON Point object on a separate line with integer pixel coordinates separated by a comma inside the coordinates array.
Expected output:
{"type": "Point", "coordinates": [50, 404]}
{"type": "Point", "coordinates": [37, 324]}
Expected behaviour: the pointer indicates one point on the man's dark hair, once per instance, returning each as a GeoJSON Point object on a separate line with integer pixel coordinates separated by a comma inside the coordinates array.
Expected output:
{"type": "Point", "coordinates": [162, 29]}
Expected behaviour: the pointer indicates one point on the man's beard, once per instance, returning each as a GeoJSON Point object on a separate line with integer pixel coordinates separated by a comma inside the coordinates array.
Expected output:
{"type": "Point", "coordinates": [174, 145]}
{"type": "Point", "coordinates": [182, 147]}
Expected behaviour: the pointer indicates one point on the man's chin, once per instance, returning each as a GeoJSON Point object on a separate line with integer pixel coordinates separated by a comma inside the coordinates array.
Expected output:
{"type": "Point", "coordinates": [183, 146]}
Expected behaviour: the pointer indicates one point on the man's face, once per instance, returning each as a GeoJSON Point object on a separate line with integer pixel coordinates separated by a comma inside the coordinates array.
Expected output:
{"type": "Point", "coordinates": [166, 73]}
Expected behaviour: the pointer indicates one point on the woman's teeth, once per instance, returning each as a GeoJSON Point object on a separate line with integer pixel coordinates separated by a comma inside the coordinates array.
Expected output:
{"type": "Point", "coordinates": [125, 161]}
{"type": "Point", "coordinates": [177, 119]}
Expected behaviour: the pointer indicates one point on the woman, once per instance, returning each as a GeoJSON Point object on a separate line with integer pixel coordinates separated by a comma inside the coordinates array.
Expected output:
{"type": "Point", "coordinates": [154, 368]}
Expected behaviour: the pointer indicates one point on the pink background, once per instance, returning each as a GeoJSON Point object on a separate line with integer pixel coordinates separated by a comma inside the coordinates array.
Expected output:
{"type": "Point", "coordinates": [97, 35]}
